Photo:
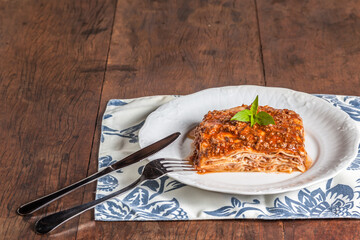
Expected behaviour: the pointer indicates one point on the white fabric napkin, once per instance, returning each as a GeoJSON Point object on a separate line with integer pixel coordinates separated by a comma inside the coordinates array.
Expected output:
{"type": "Point", "coordinates": [168, 199]}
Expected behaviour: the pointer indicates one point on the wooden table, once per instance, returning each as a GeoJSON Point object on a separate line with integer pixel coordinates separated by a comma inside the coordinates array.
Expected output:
{"type": "Point", "coordinates": [61, 61]}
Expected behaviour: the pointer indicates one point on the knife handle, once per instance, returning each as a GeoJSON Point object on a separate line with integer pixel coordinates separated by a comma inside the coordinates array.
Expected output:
{"type": "Point", "coordinates": [31, 207]}
{"type": "Point", "coordinates": [135, 157]}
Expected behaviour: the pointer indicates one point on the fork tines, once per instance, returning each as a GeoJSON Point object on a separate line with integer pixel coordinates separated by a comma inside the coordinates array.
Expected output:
{"type": "Point", "coordinates": [177, 165]}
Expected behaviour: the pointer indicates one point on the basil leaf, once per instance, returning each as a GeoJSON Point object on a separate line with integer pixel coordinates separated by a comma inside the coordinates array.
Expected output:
{"type": "Point", "coordinates": [242, 116]}
{"type": "Point", "coordinates": [257, 120]}
{"type": "Point", "coordinates": [254, 106]}
{"type": "Point", "coordinates": [252, 116]}
{"type": "Point", "coordinates": [264, 118]}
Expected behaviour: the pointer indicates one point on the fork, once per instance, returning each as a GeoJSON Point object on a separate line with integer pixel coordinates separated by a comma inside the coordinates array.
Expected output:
{"type": "Point", "coordinates": [152, 170]}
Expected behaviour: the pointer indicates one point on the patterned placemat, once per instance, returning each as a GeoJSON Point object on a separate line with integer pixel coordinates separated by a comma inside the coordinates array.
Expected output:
{"type": "Point", "coordinates": [168, 199]}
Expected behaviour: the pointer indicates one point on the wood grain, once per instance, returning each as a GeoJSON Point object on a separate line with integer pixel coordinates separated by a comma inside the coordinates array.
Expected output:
{"type": "Point", "coordinates": [61, 61]}
{"type": "Point", "coordinates": [347, 229]}
{"type": "Point", "coordinates": [49, 101]}
{"type": "Point", "coordinates": [180, 47]}
{"type": "Point", "coordinates": [311, 46]}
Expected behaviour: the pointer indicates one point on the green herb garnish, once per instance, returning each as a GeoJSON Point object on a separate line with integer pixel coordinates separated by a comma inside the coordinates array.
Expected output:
{"type": "Point", "coordinates": [252, 116]}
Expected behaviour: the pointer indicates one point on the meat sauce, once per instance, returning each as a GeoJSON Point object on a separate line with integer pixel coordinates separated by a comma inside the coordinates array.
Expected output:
{"type": "Point", "coordinates": [217, 135]}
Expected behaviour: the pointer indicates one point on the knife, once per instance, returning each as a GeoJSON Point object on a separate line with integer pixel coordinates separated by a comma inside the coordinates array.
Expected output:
{"type": "Point", "coordinates": [133, 158]}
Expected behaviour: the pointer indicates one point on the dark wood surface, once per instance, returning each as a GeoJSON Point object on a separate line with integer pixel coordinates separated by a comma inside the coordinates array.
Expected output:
{"type": "Point", "coordinates": [61, 61]}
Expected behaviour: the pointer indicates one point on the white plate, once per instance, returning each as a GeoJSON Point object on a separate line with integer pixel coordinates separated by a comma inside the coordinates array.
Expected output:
{"type": "Point", "coordinates": [331, 138]}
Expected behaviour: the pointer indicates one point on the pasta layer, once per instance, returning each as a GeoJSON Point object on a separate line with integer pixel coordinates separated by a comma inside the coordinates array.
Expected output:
{"type": "Point", "coordinates": [221, 144]}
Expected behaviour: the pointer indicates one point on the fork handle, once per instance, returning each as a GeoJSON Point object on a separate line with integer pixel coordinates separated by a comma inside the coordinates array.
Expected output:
{"type": "Point", "coordinates": [49, 223]}
{"type": "Point", "coordinates": [135, 157]}
{"type": "Point", "coordinates": [43, 201]}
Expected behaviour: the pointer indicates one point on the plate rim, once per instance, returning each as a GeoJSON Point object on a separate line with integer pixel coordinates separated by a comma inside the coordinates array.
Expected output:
{"type": "Point", "coordinates": [342, 167]}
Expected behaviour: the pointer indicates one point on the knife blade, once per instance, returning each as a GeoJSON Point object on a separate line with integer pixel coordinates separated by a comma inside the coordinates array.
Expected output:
{"type": "Point", "coordinates": [32, 206]}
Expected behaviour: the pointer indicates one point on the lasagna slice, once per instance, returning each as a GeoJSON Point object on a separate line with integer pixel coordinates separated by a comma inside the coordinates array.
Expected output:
{"type": "Point", "coordinates": [224, 145]}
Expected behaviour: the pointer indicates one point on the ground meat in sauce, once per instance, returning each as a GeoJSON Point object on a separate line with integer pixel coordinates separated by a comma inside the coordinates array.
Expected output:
{"type": "Point", "coordinates": [217, 135]}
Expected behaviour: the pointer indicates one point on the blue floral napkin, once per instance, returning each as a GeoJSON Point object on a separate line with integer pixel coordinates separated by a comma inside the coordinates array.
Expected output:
{"type": "Point", "coordinates": [167, 199]}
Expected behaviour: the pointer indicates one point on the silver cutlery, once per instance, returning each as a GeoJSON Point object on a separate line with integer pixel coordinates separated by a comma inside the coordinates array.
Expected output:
{"type": "Point", "coordinates": [152, 170]}
{"type": "Point", "coordinates": [31, 207]}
